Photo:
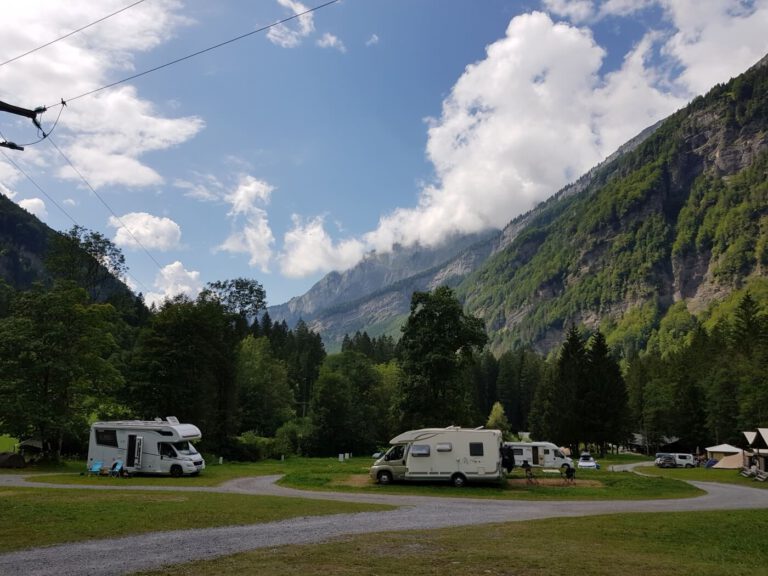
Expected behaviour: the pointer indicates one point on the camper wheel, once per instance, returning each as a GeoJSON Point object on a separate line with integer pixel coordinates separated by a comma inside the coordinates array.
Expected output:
{"type": "Point", "coordinates": [385, 477]}
{"type": "Point", "coordinates": [458, 480]}
{"type": "Point", "coordinates": [176, 471]}
{"type": "Point", "coordinates": [564, 467]}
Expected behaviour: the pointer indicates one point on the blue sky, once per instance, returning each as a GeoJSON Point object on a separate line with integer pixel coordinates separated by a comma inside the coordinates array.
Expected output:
{"type": "Point", "coordinates": [297, 150]}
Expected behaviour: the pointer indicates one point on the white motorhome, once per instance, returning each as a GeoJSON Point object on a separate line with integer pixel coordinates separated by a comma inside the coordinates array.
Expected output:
{"type": "Point", "coordinates": [452, 454]}
{"type": "Point", "coordinates": [541, 454]}
{"type": "Point", "coordinates": [146, 447]}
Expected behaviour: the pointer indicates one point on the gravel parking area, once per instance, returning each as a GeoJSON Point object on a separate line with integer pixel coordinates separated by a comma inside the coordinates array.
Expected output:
{"type": "Point", "coordinates": [154, 550]}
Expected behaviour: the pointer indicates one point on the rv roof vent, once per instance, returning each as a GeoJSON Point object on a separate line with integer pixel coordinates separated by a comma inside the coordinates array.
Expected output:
{"type": "Point", "coordinates": [158, 419]}
{"type": "Point", "coordinates": [172, 419]}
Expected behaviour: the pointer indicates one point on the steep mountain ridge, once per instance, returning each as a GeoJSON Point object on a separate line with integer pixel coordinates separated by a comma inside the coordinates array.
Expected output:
{"type": "Point", "coordinates": [680, 216]}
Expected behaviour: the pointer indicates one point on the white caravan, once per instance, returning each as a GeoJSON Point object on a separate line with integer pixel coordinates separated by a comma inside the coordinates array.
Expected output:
{"type": "Point", "coordinates": [452, 454]}
{"type": "Point", "coordinates": [541, 454]}
{"type": "Point", "coordinates": [146, 447]}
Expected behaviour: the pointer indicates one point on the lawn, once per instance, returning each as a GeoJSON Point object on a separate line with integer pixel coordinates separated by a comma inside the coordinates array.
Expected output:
{"type": "Point", "coordinates": [677, 544]}
{"type": "Point", "coordinates": [40, 516]}
{"type": "Point", "coordinates": [352, 476]}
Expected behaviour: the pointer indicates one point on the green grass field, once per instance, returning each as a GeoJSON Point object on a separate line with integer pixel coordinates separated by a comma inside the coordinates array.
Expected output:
{"type": "Point", "coordinates": [677, 544]}
{"type": "Point", "coordinates": [40, 517]}
{"type": "Point", "coordinates": [352, 476]}
{"type": "Point", "coordinates": [702, 475]}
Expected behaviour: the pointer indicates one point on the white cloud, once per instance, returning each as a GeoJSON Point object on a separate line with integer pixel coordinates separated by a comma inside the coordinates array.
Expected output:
{"type": "Point", "coordinates": [291, 34]}
{"type": "Point", "coordinates": [249, 192]}
{"type": "Point", "coordinates": [373, 40]}
{"type": "Point", "coordinates": [254, 238]}
{"type": "Point", "coordinates": [106, 134]}
{"type": "Point", "coordinates": [308, 249]}
{"type": "Point", "coordinates": [206, 187]}
{"type": "Point", "coordinates": [576, 11]}
{"type": "Point", "coordinates": [328, 40]}
{"type": "Point", "coordinates": [145, 230]}
{"type": "Point", "coordinates": [35, 206]}
{"type": "Point", "coordinates": [536, 113]}
{"type": "Point", "coordinates": [173, 280]}
{"type": "Point", "coordinates": [714, 41]}
{"type": "Point", "coordinates": [7, 191]}
{"type": "Point", "coordinates": [252, 234]}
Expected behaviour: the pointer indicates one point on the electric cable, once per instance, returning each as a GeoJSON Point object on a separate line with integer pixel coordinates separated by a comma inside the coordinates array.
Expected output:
{"type": "Point", "coordinates": [104, 202]}
{"type": "Point", "coordinates": [36, 185]}
{"type": "Point", "coordinates": [71, 33]}
{"type": "Point", "coordinates": [198, 53]}
{"type": "Point", "coordinates": [67, 214]}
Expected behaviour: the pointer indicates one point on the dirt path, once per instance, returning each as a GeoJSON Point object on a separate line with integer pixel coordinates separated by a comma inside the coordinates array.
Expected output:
{"type": "Point", "coordinates": [154, 550]}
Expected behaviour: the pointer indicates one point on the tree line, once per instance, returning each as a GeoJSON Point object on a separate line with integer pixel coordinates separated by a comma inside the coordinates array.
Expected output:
{"type": "Point", "coordinates": [72, 352]}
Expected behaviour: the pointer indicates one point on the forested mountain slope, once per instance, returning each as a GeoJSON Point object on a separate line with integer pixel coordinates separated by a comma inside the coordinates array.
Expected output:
{"type": "Point", "coordinates": [23, 243]}
{"type": "Point", "coordinates": [683, 216]}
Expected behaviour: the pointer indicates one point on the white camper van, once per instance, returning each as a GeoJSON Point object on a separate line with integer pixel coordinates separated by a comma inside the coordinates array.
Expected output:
{"type": "Point", "coordinates": [541, 454]}
{"type": "Point", "coordinates": [452, 454]}
{"type": "Point", "coordinates": [147, 447]}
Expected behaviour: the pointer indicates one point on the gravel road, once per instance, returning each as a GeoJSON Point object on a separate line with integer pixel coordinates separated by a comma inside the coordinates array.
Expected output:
{"type": "Point", "coordinates": [154, 550]}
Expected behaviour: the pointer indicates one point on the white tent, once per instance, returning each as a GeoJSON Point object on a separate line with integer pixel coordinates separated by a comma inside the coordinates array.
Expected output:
{"type": "Point", "coordinates": [721, 451]}
{"type": "Point", "coordinates": [732, 461]}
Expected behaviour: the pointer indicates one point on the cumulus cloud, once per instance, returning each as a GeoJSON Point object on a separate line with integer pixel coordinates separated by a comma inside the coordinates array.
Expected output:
{"type": "Point", "coordinates": [251, 232]}
{"type": "Point", "coordinates": [328, 40]}
{"type": "Point", "coordinates": [35, 206]}
{"type": "Point", "coordinates": [714, 41]}
{"type": "Point", "coordinates": [105, 135]}
{"type": "Point", "coordinates": [309, 249]}
{"type": "Point", "coordinates": [291, 34]}
{"type": "Point", "coordinates": [537, 111]}
{"type": "Point", "coordinates": [249, 193]}
{"type": "Point", "coordinates": [373, 40]}
{"type": "Point", "coordinates": [173, 280]}
{"type": "Point", "coordinates": [139, 229]}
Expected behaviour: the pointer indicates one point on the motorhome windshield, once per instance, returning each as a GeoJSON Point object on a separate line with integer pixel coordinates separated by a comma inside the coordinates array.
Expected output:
{"type": "Point", "coordinates": [184, 448]}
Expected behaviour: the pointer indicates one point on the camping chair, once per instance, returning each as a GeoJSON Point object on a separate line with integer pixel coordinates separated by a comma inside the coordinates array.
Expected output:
{"type": "Point", "coordinates": [116, 469]}
{"type": "Point", "coordinates": [95, 468]}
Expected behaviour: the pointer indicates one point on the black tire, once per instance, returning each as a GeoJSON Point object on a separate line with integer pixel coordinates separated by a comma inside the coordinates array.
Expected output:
{"type": "Point", "coordinates": [176, 471]}
{"type": "Point", "coordinates": [689, 465]}
{"type": "Point", "coordinates": [458, 480]}
{"type": "Point", "coordinates": [384, 477]}
{"type": "Point", "coordinates": [565, 467]}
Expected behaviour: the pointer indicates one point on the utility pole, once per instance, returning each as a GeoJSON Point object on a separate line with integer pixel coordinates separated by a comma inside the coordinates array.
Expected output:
{"type": "Point", "coordinates": [19, 111]}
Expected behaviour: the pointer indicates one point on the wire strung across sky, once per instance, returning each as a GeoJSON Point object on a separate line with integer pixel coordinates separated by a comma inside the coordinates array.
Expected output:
{"type": "Point", "coordinates": [104, 202]}
{"type": "Point", "coordinates": [198, 53]}
{"type": "Point", "coordinates": [28, 52]}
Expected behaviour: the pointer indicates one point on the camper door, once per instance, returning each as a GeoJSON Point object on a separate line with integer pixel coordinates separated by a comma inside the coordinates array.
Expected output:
{"type": "Point", "coordinates": [133, 453]}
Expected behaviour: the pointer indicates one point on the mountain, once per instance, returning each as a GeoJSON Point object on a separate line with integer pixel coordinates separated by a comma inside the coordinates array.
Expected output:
{"type": "Point", "coordinates": [678, 214]}
{"type": "Point", "coordinates": [23, 244]}
{"type": "Point", "coordinates": [682, 216]}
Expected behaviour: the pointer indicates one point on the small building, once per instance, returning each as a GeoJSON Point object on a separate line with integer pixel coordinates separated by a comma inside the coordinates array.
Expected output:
{"type": "Point", "coordinates": [758, 444]}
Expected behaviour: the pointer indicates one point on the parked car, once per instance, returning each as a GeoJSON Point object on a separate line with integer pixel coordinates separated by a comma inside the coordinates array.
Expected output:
{"type": "Point", "coordinates": [587, 461]}
{"type": "Point", "coordinates": [666, 461]}
{"type": "Point", "coordinates": [659, 456]}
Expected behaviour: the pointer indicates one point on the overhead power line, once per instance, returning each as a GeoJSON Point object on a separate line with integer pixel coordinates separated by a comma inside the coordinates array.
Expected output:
{"type": "Point", "coordinates": [198, 53]}
{"type": "Point", "coordinates": [28, 52]}
{"type": "Point", "coordinates": [104, 202]}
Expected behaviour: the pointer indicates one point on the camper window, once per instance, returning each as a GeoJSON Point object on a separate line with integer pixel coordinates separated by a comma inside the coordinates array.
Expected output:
{"type": "Point", "coordinates": [517, 451]}
{"type": "Point", "coordinates": [420, 450]}
{"type": "Point", "coordinates": [185, 448]}
{"type": "Point", "coordinates": [444, 447]}
{"type": "Point", "coordinates": [475, 448]}
{"type": "Point", "coordinates": [395, 453]}
{"type": "Point", "coordinates": [106, 437]}
{"type": "Point", "coordinates": [166, 449]}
